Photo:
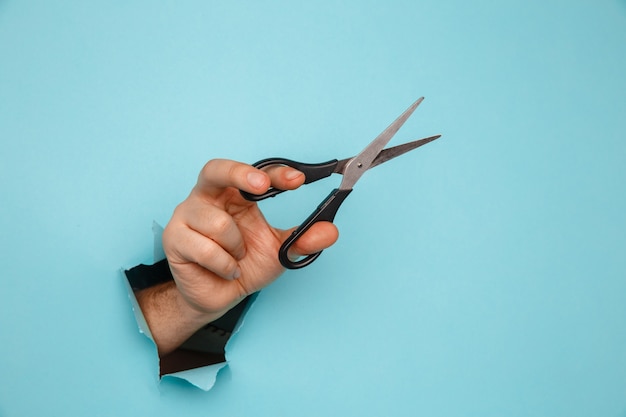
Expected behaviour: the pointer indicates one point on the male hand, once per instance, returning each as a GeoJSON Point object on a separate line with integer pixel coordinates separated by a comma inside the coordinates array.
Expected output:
{"type": "Point", "coordinates": [220, 249]}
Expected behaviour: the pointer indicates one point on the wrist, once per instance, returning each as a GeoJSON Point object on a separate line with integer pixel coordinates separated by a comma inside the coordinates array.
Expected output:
{"type": "Point", "coordinates": [191, 316]}
{"type": "Point", "coordinates": [170, 318]}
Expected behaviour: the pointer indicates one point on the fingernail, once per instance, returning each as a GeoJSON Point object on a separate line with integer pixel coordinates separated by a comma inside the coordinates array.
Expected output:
{"type": "Point", "coordinates": [292, 174]}
{"type": "Point", "coordinates": [256, 179]}
{"type": "Point", "coordinates": [237, 273]}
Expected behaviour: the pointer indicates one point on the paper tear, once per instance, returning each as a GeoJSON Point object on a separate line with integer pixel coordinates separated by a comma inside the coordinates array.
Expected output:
{"type": "Point", "coordinates": [203, 378]}
{"type": "Point", "coordinates": [201, 357]}
{"type": "Point", "coordinates": [157, 250]}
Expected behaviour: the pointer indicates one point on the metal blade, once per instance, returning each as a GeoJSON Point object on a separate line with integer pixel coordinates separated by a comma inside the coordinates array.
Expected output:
{"type": "Point", "coordinates": [362, 162]}
{"type": "Point", "coordinates": [389, 153]}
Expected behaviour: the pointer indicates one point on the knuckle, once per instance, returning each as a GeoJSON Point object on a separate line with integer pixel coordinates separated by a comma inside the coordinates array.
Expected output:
{"type": "Point", "coordinates": [216, 261]}
{"type": "Point", "coordinates": [208, 254]}
{"type": "Point", "coordinates": [221, 223]}
{"type": "Point", "coordinates": [208, 166]}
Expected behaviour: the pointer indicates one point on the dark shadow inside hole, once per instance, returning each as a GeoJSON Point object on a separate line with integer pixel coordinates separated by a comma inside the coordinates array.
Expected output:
{"type": "Point", "coordinates": [207, 345]}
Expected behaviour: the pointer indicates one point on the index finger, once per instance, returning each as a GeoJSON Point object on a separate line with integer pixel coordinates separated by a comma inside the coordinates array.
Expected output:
{"type": "Point", "coordinates": [219, 174]}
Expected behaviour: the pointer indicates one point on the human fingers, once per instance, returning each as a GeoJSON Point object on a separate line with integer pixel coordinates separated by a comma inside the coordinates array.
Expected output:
{"type": "Point", "coordinates": [214, 223]}
{"type": "Point", "coordinates": [205, 291]}
{"type": "Point", "coordinates": [193, 247]}
{"type": "Point", "coordinates": [219, 174]}
{"type": "Point", "coordinates": [319, 237]}
{"type": "Point", "coordinates": [284, 177]}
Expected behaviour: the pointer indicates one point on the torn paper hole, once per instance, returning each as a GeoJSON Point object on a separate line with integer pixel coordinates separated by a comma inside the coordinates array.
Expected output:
{"type": "Point", "coordinates": [200, 358]}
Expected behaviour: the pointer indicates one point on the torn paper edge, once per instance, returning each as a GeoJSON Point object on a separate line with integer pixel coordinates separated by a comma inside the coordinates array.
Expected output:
{"type": "Point", "coordinates": [205, 376]}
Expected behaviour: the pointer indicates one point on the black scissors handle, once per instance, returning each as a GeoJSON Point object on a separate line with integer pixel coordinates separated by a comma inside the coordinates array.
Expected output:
{"type": "Point", "coordinates": [312, 173]}
{"type": "Point", "coordinates": [326, 211]}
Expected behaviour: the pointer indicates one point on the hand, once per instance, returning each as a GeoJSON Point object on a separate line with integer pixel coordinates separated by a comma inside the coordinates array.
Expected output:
{"type": "Point", "coordinates": [220, 248]}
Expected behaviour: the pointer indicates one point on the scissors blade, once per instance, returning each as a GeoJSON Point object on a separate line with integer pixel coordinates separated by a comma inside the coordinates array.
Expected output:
{"type": "Point", "coordinates": [389, 153]}
{"type": "Point", "coordinates": [355, 168]}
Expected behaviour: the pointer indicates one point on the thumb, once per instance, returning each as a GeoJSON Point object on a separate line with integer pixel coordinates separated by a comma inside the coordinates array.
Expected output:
{"type": "Point", "coordinates": [319, 237]}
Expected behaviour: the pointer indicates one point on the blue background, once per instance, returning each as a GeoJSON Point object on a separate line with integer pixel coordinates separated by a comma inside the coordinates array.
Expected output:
{"type": "Point", "coordinates": [484, 274]}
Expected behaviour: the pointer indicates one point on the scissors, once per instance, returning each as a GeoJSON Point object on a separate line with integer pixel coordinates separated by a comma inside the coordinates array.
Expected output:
{"type": "Point", "coordinates": [351, 168]}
